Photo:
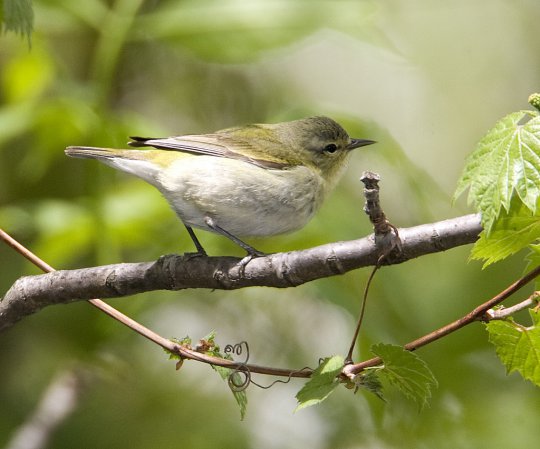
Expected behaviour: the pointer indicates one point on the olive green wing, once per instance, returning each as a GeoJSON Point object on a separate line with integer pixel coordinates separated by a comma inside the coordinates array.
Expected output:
{"type": "Point", "coordinates": [217, 145]}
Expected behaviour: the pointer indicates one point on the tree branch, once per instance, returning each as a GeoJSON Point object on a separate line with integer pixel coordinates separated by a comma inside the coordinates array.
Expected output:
{"type": "Point", "coordinates": [172, 272]}
{"type": "Point", "coordinates": [184, 351]}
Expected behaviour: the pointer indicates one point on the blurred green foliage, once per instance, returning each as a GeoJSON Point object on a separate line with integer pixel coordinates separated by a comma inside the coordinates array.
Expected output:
{"type": "Point", "coordinates": [17, 16]}
{"type": "Point", "coordinates": [423, 79]}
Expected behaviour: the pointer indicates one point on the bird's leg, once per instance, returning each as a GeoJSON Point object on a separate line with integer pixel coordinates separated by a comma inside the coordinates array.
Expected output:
{"type": "Point", "coordinates": [200, 249]}
{"type": "Point", "coordinates": [252, 252]}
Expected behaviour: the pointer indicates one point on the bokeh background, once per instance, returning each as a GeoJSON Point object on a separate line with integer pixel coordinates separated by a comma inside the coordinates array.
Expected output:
{"type": "Point", "coordinates": [424, 79]}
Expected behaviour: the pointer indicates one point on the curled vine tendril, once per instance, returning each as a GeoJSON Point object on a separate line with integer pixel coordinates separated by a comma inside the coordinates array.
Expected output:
{"type": "Point", "coordinates": [240, 378]}
{"type": "Point", "coordinates": [280, 381]}
{"type": "Point", "coordinates": [238, 349]}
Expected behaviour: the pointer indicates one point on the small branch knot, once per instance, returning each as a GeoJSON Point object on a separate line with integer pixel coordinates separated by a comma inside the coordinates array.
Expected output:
{"type": "Point", "coordinates": [373, 206]}
{"type": "Point", "coordinates": [386, 234]}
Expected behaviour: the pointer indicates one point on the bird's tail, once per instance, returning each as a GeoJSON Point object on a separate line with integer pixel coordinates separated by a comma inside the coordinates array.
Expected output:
{"type": "Point", "coordinates": [135, 162]}
{"type": "Point", "coordinates": [93, 152]}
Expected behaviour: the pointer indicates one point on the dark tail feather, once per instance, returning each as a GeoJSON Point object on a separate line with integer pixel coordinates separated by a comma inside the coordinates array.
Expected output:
{"type": "Point", "coordinates": [139, 141]}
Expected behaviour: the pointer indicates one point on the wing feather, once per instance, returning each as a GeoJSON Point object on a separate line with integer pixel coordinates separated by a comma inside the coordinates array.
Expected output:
{"type": "Point", "coordinates": [217, 145]}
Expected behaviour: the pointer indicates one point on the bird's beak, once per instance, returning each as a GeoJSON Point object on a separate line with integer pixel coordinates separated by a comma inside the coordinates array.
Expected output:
{"type": "Point", "coordinates": [357, 143]}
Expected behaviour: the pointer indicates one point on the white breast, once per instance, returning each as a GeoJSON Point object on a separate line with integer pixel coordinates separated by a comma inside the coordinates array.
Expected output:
{"type": "Point", "coordinates": [242, 198]}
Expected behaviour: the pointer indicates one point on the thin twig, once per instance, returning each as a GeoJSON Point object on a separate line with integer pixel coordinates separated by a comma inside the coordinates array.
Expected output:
{"type": "Point", "coordinates": [348, 359]}
{"type": "Point", "coordinates": [386, 237]}
{"type": "Point", "coordinates": [505, 312]}
{"type": "Point", "coordinates": [25, 252]}
{"type": "Point", "coordinates": [474, 315]}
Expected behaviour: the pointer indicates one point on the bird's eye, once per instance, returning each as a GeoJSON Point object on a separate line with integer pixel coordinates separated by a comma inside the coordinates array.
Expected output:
{"type": "Point", "coordinates": [330, 148]}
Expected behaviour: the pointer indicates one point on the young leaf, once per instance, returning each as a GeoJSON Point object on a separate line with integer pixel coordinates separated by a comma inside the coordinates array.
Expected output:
{"type": "Point", "coordinates": [208, 345]}
{"type": "Point", "coordinates": [323, 381]}
{"type": "Point", "coordinates": [235, 379]}
{"type": "Point", "coordinates": [406, 371]}
{"type": "Point", "coordinates": [506, 161]}
{"type": "Point", "coordinates": [518, 346]}
{"type": "Point", "coordinates": [186, 341]}
{"type": "Point", "coordinates": [534, 100]}
{"type": "Point", "coordinates": [369, 380]}
{"type": "Point", "coordinates": [513, 231]}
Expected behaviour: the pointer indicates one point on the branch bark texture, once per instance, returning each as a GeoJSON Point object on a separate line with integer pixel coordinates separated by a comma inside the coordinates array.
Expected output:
{"type": "Point", "coordinates": [173, 272]}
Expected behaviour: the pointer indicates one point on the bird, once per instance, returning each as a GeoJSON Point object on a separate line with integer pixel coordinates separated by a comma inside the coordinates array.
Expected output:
{"type": "Point", "coordinates": [256, 180]}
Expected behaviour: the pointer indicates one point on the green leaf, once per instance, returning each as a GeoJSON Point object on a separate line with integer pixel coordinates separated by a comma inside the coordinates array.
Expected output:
{"type": "Point", "coordinates": [518, 346]}
{"type": "Point", "coordinates": [506, 162]}
{"type": "Point", "coordinates": [369, 380]}
{"type": "Point", "coordinates": [323, 381]}
{"type": "Point", "coordinates": [186, 341]}
{"type": "Point", "coordinates": [406, 371]}
{"type": "Point", "coordinates": [236, 380]}
{"type": "Point", "coordinates": [17, 16]}
{"type": "Point", "coordinates": [513, 231]}
{"type": "Point", "coordinates": [233, 32]}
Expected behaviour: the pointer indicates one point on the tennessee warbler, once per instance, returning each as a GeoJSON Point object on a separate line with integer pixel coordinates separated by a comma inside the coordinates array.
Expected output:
{"type": "Point", "coordinates": [254, 180]}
